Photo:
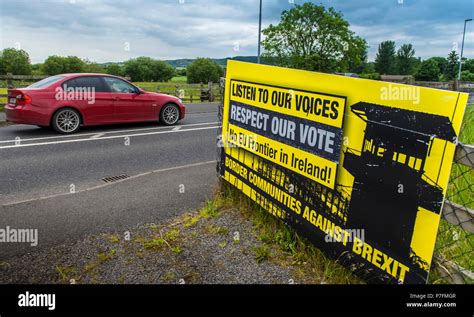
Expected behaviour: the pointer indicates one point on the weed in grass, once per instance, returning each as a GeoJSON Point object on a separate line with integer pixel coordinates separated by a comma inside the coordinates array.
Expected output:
{"type": "Point", "coordinates": [105, 256]}
{"type": "Point", "coordinates": [176, 249]}
{"type": "Point", "coordinates": [154, 244]}
{"type": "Point", "coordinates": [223, 244]}
{"type": "Point", "coordinates": [114, 238]}
{"type": "Point", "coordinates": [262, 253]}
{"type": "Point", "coordinates": [210, 210]}
{"type": "Point", "coordinates": [190, 221]}
{"type": "Point", "coordinates": [65, 273]}
{"type": "Point", "coordinates": [153, 226]}
{"type": "Point", "coordinates": [172, 235]}
{"type": "Point", "coordinates": [169, 276]}
{"type": "Point", "coordinates": [212, 229]}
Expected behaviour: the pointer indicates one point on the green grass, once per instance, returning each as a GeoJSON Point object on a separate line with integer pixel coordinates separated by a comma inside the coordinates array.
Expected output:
{"type": "Point", "coordinates": [282, 244]}
{"type": "Point", "coordinates": [179, 83]}
{"type": "Point", "coordinates": [179, 79]}
{"type": "Point", "coordinates": [262, 253]}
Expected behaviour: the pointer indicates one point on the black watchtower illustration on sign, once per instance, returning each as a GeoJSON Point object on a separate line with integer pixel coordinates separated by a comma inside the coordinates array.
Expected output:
{"type": "Point", "coordinates": [390, 184]}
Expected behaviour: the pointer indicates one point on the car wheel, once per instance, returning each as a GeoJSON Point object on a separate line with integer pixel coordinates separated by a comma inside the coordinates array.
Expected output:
{"type": "Point", "coordinates": [66, 121]}
{"type": "Point", "coordinates": [169, 115]}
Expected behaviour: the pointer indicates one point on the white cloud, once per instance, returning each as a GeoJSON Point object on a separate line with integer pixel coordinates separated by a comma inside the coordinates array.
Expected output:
{"type": "Point", "coordinates": [98, 30]}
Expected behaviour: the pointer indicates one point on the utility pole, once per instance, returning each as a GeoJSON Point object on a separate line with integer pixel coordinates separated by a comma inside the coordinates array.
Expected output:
{"type": "Point", "coordinates": [462, 48]}
{"type": "Point", "coordinates": [260, 31]}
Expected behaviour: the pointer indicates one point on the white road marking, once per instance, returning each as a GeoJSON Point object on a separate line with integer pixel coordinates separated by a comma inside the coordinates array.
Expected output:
{"type": "Point", "coordinates": [176, 128]}
{"type": "Point", "coordinates": [105, 138]}
{"type": "Point", "coordinates": [114, 183]}
{"type": "Point", "coordinates": [95, 136]}
{"type": "Point", "coordinates": [109, 132]}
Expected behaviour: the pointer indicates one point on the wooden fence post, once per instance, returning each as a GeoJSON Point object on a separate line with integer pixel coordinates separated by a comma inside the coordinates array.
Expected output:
{"type": "Point", "coordinates": [10, 81]}
{"type": "Point", "coordinates": [211, 94]}
{"type": "Point", "coordinates": [455, 84]}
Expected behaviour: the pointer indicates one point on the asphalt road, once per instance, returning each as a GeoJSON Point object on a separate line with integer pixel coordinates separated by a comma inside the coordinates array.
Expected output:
{"type": "Point", "coordinates": [54, 183]}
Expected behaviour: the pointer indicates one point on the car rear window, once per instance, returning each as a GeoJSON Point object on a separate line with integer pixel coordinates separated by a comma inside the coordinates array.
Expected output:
{"type": "Point", "coordinates": [46, 82]}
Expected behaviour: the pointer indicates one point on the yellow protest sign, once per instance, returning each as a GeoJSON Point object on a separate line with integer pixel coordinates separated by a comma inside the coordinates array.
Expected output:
{"type": "Point", "coordinates": [359, 167]}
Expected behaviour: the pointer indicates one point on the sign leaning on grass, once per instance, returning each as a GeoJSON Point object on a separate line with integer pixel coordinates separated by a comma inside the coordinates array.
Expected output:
{"type": "Point", "coordinates": [359, 167]}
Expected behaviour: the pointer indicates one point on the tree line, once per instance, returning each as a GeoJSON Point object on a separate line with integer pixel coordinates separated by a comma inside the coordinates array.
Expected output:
{"type": "Point", "coordinates": [403, 62]}
{"type": "Point", "coordinates": [314, 38]}
{"type": "Point", "coordinates": [140, 69]}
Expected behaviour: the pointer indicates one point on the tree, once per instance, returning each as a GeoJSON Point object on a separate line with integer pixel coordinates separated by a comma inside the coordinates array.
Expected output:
{"type": "Point", "coordinates": [204, 70]}
{"type": "Point", "coordinates": [467, 76]}
{"type": "Point", "coordinates": [92, 67]}
{"type": "Point", "coordinates": [73, 64]}
{"type": "Point", "coordinates": [15, 61]}
{"type": "Point", "coordinates": [181, 71]}
{"type": "Point", "coordinates": [442, 63]}
{"type": "Point", "coordinates": [428, 71]}
{"type": "Point", "coordinates": [385, 58]}
{"type": "Point", "coordinates": [148, 69]}
{"type": "Point", "coordinates": [162, 71]}
{"type": "Point", "coordinates": [452, 65]}
{"type": "Point", "coordinates": [114, 69]}
{"type": "Point", "coordinates": [310, 37]}
{"type": "Point", "coordinates": [54, 65]}
{"type": "Point", "coordinates": [468, 65]}
{"type": "Point", "coordinates": [405, 56]}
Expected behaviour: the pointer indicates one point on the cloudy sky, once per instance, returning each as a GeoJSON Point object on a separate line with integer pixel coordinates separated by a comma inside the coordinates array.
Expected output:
{"type": "Point", "coordinates": [116, 30]}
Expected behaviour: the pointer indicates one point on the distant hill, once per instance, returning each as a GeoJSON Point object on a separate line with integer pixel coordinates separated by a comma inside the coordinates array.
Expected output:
{"type": "Point", "coordinates": [184, 62]}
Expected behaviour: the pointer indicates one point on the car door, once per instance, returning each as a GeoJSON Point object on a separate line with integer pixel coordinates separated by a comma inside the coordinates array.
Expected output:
{"type": "Point", "coordinates": [91, 95]}
{"type": "Point", "coordinates": [130, 104]}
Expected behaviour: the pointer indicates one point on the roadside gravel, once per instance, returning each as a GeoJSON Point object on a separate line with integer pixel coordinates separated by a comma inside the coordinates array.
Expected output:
{"type": "Point", "coordinates": [220, 248]}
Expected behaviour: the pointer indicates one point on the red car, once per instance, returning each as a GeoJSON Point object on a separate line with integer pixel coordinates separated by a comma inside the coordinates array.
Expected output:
{"type": "Point", "coordinates": [65, 102]}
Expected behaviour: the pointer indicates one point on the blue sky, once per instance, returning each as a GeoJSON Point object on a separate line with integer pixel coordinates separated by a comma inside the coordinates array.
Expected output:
{"type": "Point", "coordinates": [118, 30]}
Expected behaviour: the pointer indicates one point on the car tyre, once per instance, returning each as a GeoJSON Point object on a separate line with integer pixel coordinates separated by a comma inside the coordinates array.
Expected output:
{"type": "Point", "coordinates": [169, 114]}
{"type": "Point", "coordinates": [66, 121]}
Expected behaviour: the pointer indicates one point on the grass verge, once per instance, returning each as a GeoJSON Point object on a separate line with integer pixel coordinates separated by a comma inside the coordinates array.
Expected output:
{"type": "Point", "coordinates": [283, 245]}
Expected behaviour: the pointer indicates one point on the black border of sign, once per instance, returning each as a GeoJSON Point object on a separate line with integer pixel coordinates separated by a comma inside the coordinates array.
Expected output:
{"type": "Point", "coordinates": [307, 91]}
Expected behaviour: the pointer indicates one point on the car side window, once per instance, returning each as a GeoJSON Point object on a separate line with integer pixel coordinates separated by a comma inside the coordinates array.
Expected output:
{"type": "Point", "coordinates": [69, 84]}
{"type": "Point", "coordinates": [118, 85]}
{"type": "Point", "coordinates": [90, 82]}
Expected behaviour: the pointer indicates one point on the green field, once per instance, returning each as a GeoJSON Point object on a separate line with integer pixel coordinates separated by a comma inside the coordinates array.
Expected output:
{"type": "Point", "coordinates": [179, 79]}
{"type": "Point", "coordinates": [191, 91]}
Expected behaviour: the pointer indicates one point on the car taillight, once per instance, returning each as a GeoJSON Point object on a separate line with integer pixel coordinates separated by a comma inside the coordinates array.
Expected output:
{"type": "Point", "coordinates": [23, 99]}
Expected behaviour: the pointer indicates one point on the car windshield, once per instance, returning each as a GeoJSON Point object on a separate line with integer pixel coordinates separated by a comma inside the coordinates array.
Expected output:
{"type": "Point", "coordinates": [46, 82]}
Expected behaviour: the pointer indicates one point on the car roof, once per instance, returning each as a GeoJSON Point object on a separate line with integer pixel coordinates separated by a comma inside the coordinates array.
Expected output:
{"type": "Point", "coordinates": [70, 75]}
